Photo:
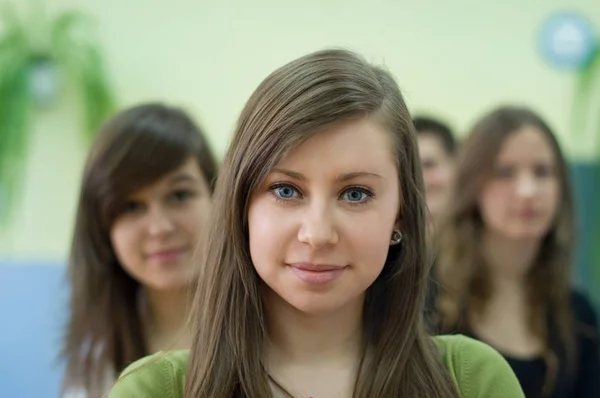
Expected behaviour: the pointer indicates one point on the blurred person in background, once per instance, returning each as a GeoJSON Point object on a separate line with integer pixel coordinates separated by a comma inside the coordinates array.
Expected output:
{"type": "Point", "coordinates": [505, 257]}
{"type": "Point", "coordinates": [437, 147]}
{"type": "Point", "coordinates": [144, 201]}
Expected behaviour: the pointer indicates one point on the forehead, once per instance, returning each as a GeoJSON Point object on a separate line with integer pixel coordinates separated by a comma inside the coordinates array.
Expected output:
{"type": "Point", "coordinates": [431, 146]}
{"type": "Point", "coordinates": [353, 144]}
{"type": "Point", "coordinates": [526, 144]}
{"type": "Point", "coordinates": [187, 173]}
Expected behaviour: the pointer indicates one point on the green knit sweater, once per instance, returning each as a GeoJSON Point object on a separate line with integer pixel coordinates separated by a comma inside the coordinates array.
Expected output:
{"type": "Point", "coordinates": [477, 369]}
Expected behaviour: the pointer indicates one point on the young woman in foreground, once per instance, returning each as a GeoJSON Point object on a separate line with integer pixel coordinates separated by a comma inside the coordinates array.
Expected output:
{"type": "Point", "coordinates": [314, 276]}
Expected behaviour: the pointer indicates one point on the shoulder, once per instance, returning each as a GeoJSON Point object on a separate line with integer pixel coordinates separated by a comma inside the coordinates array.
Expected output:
{"type": "Point", "coordinates": [79, 391]}
{"type": "Point", "coordinates": [158, 375]}
{"type": "Point", "coordinates": [477, 369]}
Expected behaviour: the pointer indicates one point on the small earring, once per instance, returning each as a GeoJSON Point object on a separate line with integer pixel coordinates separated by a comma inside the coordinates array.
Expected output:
{"type": "Point", "coordinates": [396, 237]}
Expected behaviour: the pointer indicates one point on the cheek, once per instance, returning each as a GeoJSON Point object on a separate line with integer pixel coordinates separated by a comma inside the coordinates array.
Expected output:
{"type": "Point", "coordinates": [194, 217]}
{"type": "Point", "coordinates": [370, 247]}
{"type": "Point", "coordinates": [492, 205]}
{"type": "Point", "coordinates": [554, 198]}
{"type": "Point", "coordinates": [367, 238]}
{"type": "Point", "coordinates": [124, 239]}
{"type": "Point", "coordinates": [267, 234]}
{"type": "Point", "coordinates": [429, 177]}
{"type": "Point", "coordinates": [438, 177]}
{"type": "Point", "coordinates": [446, 176]}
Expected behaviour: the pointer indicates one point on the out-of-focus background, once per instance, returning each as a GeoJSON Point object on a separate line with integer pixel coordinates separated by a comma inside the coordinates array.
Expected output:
{"type": "Point", "coordinates": [455, 59]}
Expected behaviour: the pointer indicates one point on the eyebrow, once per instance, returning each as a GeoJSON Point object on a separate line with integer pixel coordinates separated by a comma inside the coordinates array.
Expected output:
{"type": "Point", "coordinates": [182, 177]}
{"type": "Point", "coordinates": [341, 178]}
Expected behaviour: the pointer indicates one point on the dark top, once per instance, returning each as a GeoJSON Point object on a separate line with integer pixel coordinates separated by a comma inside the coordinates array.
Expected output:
{"type": "Point", "coordinates": [584, 380]}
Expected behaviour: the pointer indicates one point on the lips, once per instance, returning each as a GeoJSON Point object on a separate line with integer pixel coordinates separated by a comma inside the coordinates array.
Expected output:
{"type": "Point", "coordinates": [167, 255]}
{"type": "Point", "coordinates": [528, 214]}
{"type": "Point", "coordinates": [315, 267]}
{"type": "Point", "coordinates": [316, 274]}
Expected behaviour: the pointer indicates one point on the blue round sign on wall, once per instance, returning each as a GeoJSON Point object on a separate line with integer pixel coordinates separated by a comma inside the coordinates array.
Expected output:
{"type": "Point", "coordinates": [567, 40]}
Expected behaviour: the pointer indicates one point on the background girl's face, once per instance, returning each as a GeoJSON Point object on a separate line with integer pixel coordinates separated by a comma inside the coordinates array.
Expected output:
{"type": "Point", "coordinates": [321, 222]}
{"type": "Point", "coordinates": [438, 173]}
{"type": "Point", "coordinates": [521, 198]}
{"type": "Point", "coordinates": [155, 236]}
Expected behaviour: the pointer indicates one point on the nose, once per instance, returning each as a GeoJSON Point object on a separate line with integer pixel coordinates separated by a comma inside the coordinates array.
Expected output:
{"type": "Point", "coordinates": [318, 227]}
{"type": "Point", "coordinates": [431, 177]}
{"type": "Point", "coordinates": [526, 185]}
{"type": "Point", "coordinates": [159, 222]}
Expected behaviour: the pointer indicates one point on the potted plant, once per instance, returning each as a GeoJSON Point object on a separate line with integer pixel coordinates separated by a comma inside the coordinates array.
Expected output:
{"type": "Point", "coordinates": [35, 53]}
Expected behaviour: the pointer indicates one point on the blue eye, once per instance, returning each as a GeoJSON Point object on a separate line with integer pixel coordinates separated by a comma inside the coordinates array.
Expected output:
{"type": "Point", "coordinates": [354, 195]}
{"type": "Point", "coordinates": [357, 196]}
{"type": "Point", "coordinates": [285, 191]}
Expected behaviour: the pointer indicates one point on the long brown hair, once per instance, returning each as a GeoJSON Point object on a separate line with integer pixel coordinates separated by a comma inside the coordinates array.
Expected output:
{"type": "Point", "coordinates": [288, 107]}
{"type": "Point", "coordinates": [133, 150]}
{"type": "Point", "coordinates": [465, 286]}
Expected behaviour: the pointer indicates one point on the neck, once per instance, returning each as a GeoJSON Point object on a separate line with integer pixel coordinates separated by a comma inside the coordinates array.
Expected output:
{"type": "Point", "coordinates": [509, 260]}
{"type": "Point", "coordinates": [166, 316]}
{"type": "Point", "coordinates": [296, 337]}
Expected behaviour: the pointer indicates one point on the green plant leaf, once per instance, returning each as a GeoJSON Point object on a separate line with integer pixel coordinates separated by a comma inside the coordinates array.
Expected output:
{"type": "Point", "coordinates": [98, 100]}
{"type": "Point", "coordinates": [14, 109]}
{"type": "Point", "coordinates": [66, 41]}
{"type": "Point", "coordinates": [68, 32]}
{"type": "Point", "coordinates": [15, 39]}
{"type": "Point", "coordinates": [11, 20]}
{"type": "Point", "coordinates": [74, 48]}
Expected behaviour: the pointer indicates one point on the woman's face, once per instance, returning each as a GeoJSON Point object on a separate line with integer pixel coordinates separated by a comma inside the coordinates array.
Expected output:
{"type": "Point", "coordinates": [521, 198]}
{"type": "Point", "coordinates": [320, 224]}
{"type": "Point", "coordinates": [155, 236]}
{"type": "Point", "coordinates": [438, 174]}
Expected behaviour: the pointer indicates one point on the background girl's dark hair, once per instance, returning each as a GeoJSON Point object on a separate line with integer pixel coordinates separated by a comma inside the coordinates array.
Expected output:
{"type": "Point", "coordinates": [133, 150]}
{"type": "Point", "coordinates": [438, 129]}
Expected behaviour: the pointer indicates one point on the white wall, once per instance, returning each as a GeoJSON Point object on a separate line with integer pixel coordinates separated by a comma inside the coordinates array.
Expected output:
{"type": "Point", "coordinates": [455, 58]}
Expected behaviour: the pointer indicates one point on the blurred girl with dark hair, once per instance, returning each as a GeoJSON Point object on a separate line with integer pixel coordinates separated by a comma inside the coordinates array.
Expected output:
{"type": "Point", "coordinates": [145, 196]}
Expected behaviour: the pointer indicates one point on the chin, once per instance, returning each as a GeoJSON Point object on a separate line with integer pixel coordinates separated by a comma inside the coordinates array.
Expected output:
{"type": "Point", "coordinates": [313, 306]}
{"type": "Point", "coordinates": [169, 283]}
{"type": "Point", "coordinates": [530, 233]}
